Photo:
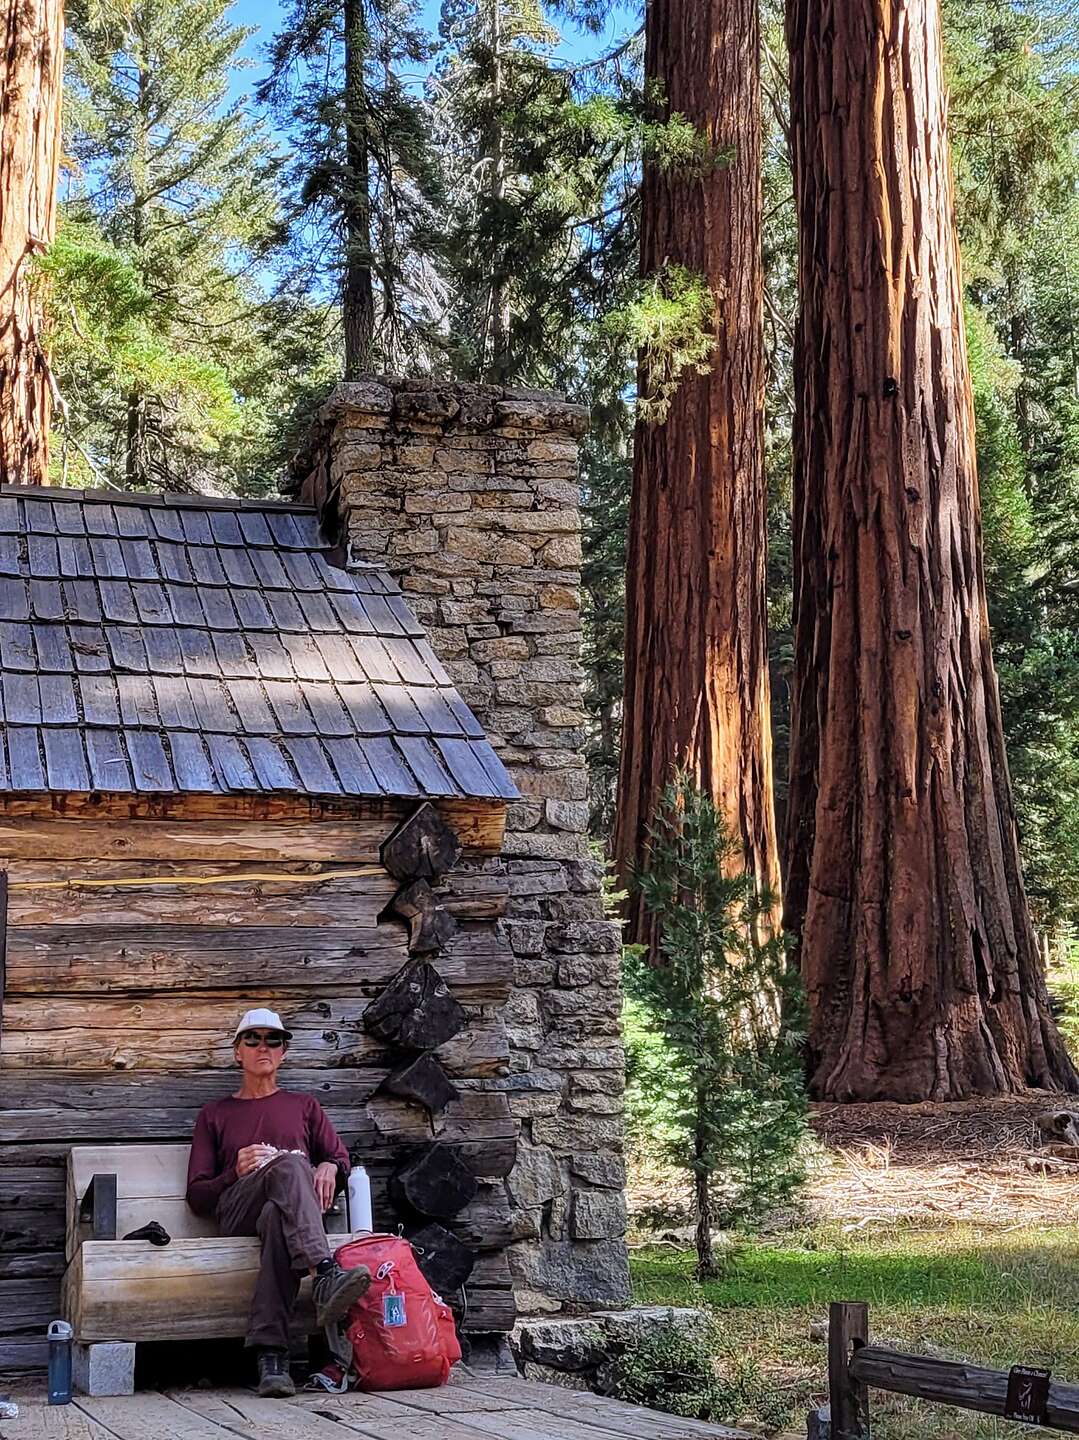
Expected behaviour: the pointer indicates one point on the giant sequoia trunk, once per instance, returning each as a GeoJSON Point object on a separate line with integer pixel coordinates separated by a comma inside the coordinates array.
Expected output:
{"type": "Point", "coordinates": [696, 689]}
{"type": "Point", "coordinates": [31, 65]}
{"type": "Point", "coordinates": [903, 878]}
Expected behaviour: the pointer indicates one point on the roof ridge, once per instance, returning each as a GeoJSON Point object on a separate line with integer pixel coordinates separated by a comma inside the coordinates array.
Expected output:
{"type": "Point", "coordinates": [160, 499]}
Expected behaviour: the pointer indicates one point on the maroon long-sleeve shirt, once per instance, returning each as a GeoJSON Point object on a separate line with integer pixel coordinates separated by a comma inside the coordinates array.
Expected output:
{"type": "Point", "coordinates": [286, 1119]}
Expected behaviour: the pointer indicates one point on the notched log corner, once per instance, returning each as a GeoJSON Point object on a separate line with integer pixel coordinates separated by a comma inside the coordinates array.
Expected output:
{"type": "Point", "coordinates": [423, 847]}
{"type": "Point", "coordinates": [416, 1010]}
{"type": "Point", "coordinates": [422, 1080]}
{"type": "Point", "coordinates": [435, 1183]}
{"type": "Point", "coordinates": [445, 1261]}
{"type": "Point", "coordinates": [430, 926]}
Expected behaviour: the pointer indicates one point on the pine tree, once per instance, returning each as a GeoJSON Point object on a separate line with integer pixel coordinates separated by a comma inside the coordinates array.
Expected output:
{"type": "Point", "coordinates": [542, 181]}
{"type": "Point", "coordinates": [161, 286]}
{"type": "Point", "coordinates": [606, 473]}
{"type": "Point", "coordinates": [365, 184]}
{"type": "Point", "coordinates": [727, 1088]}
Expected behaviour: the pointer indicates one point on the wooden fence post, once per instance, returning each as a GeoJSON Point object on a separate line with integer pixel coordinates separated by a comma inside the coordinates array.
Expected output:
{"type": "Point", "coordinates": [848, 1330]}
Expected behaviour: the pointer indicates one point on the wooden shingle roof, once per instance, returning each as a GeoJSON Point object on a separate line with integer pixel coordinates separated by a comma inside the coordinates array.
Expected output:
{"type": "Point", "coordinates": [170, 643]}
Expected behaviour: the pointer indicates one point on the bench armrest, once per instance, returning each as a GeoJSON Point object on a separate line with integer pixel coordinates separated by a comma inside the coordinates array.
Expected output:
{"type": "Point", "coordinates": [97, 1207]}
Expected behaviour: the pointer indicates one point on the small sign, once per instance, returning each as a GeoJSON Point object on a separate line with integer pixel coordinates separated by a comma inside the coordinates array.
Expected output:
{"type": "Point", "coordinates": [393, 1311]}
{"type": "Point", "coordinates": [1028, 1395]}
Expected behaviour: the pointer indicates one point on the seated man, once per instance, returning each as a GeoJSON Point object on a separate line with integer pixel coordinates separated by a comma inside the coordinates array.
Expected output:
{"type": "Point", "coordinates": [267, 1162]}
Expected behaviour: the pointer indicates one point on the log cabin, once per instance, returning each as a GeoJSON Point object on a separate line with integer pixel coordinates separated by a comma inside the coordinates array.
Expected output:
{"type": "Point", "coordinates": [233, 771]}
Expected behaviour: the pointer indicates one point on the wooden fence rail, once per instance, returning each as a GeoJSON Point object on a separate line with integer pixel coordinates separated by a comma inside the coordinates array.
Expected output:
{"type": "Point", "coordinates": [854, 1366]}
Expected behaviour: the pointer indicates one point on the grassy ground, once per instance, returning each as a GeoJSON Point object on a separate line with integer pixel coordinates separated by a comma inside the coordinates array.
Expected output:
{"type": "Point", "coordinates": [990, 1294]}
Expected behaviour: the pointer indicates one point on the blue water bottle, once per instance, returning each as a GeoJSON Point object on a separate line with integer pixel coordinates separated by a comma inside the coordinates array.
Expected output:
{"type": "Point", "coordinates": [60, 1334]}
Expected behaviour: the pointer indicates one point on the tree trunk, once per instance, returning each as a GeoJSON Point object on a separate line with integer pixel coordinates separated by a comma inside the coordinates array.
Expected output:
{"type": "Point", "coordinates": [359, 295]}
{"type": "Point", "coordinates": [903, 882]}
{"type": "Point", "coordinates": [696, 686]}
{"type": "Point", "coordinates": [31, 67]}
{"type": "Point", "coordinates": [702, 1193]}
{"type": "Point", "coordinates": [136, 452]}
{"type": "Point", "coordinates": [500, 317]}
{"type": "Point", "coordinates": [136, 476]}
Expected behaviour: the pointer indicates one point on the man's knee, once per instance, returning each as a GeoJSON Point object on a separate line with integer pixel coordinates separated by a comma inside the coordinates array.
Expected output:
{"type": "Point", "coordinates": [290, 1163]}
{"type": "Point", "coordinates": [290, 1173]}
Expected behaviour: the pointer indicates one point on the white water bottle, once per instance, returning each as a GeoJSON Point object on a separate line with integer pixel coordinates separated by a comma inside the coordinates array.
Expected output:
{"type": "Point", "coordinates": [359, 1200]}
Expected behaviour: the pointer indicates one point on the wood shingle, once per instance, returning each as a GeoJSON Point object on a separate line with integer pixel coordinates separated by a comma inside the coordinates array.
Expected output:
{"type": "Point", "coordinates": [173, 643]}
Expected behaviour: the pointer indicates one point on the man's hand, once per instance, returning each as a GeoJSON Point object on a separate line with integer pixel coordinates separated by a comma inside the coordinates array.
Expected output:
{"type": "Point", "coordinates": [325, 1183]}
{"type": "Point", "coordinates": [251, 1157]}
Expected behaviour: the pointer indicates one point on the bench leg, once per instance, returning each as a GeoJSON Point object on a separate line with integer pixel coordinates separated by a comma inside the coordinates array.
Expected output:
{"type": "Point", "coordinates": [107, 1368]}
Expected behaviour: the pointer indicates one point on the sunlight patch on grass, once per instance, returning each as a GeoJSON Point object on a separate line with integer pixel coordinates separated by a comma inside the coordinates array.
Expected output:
{"type": "Point", "coordinates": [995, 1296]}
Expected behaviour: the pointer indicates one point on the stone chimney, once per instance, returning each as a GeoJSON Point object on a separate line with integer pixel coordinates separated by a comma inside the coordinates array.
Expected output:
{"type": "Point", "coordinates": [468, 494]}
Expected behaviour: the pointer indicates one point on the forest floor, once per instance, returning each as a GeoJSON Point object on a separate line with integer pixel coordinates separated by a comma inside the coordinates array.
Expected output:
{"type": "Point", "coordinates": [943, 1217]}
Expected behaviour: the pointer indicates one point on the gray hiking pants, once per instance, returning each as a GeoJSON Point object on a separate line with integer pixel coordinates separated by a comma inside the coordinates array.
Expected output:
{"type": "Point", "coordinates": [278, 1204]}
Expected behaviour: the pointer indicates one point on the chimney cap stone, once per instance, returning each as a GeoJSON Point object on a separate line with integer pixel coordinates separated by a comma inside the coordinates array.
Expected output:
{"type": "Point", "coordinates": [454, 405]}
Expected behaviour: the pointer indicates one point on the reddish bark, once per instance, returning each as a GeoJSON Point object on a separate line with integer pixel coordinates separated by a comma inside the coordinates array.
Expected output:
{"type": "Point", "coordinates": [31, 68]}
{"type": "Point", "coordinates": [903, 878]}
{"type": "Point", "coordinates": [696, 688]}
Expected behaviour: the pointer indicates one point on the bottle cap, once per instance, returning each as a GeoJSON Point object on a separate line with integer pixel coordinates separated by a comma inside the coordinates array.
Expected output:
{"type": "Point", "coordinates": [59, 1330]}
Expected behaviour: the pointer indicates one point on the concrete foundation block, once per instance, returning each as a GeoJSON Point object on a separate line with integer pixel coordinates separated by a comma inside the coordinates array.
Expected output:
{"type": "Point", "coordinates": [107, 1368]}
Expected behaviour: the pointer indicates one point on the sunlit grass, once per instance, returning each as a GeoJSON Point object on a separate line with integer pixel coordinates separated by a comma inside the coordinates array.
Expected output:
{"type": "Point", "coordinates": [995, 1296]}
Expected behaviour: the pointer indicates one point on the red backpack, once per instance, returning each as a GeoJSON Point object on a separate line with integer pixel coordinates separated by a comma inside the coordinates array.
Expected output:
{"type": "Point", "coordinates": [402, 1333]}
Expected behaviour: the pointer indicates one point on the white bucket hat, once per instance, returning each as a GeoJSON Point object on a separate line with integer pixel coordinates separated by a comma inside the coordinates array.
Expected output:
{"type": "Point", "coordinates": [260, 1020]}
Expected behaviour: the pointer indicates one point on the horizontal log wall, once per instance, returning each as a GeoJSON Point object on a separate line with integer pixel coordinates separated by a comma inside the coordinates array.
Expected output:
{"type": "Point", "coordinates": [126, 972]}
{"type": "Point", "coordinates": [478, 824]}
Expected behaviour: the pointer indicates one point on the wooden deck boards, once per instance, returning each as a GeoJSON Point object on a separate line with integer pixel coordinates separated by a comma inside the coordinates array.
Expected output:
{"type": "Point", "coordinates": [472, 1409]}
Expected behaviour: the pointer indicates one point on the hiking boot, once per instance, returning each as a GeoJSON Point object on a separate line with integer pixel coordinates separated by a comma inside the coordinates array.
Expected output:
{"type": "Point", "coordinates": [275, 1383]}
{"type": "Point", "coordinates": [335, 1291]}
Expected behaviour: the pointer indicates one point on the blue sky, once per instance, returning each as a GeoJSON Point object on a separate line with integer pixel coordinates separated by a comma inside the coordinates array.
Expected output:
{"type": "Point", "coordinates": [266, 16]}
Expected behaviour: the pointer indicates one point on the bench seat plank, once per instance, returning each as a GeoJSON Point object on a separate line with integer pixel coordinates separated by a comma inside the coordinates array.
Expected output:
{"type": "Point", "coordinates": [190, 1290]}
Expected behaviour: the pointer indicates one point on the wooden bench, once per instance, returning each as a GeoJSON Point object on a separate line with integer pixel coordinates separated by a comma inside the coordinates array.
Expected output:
{"type": "Point", "coordinates": [117, 1292]}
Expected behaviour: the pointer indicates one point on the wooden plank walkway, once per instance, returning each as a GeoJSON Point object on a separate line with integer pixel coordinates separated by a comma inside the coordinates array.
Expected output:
{"type": "Point", "coordinates": [470, 1409]}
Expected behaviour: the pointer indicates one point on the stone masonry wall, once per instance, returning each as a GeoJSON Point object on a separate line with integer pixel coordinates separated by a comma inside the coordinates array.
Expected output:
{"type": "Point", "coordinates": [469, 496]}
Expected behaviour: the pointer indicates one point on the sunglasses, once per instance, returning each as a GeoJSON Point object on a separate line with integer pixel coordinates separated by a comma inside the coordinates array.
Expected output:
{"type": "Point", "coordinates": [272, 1039]}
